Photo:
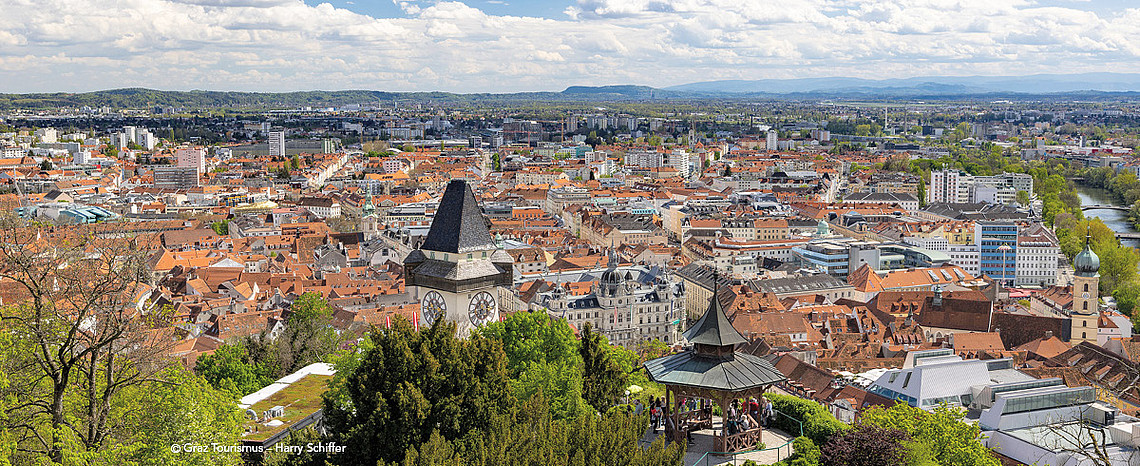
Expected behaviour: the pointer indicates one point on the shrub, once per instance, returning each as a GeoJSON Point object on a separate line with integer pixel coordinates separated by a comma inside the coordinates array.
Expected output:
{"type": "Point", "coordinates": [818, 424]}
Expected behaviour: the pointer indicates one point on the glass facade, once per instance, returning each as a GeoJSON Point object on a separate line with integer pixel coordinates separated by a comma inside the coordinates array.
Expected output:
{"type": "Point", "coordinates": [997, 250]}
{"type": "Point", "coordinates": [1059, 399]}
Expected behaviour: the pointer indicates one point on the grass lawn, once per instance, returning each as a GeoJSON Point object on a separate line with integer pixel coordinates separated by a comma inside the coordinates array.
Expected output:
{"type": "Point", "coordinates": [300, 399]}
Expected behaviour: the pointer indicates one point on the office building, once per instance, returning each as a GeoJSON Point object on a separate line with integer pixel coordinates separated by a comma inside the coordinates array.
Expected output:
{"type": "Point", "coordinates": [997, 250]}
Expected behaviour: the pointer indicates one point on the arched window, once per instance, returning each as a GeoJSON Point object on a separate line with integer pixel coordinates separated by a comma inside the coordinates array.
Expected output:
{"type": "Point", "coordinates": [1084, 335]}
{"type": "Point", "coordinates": [1085, 305]}
{"type": "Point", "coordinates": [1086, 287]}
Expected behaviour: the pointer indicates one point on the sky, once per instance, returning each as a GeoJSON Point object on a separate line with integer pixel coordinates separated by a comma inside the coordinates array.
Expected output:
{"type": "Point", "coordinates": [534, 45]}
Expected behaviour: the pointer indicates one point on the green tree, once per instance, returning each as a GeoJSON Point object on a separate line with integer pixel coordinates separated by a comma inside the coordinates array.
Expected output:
{"type": "Point", "coordinates": [939, 436]}
{"type": "Point", "coordinates": [409, 385]}
{"type": "Point", "coordinates": [184, 410]}
{"type": "Point", "coordinates": [603, 380]}
{"type": "Point", "coordinates": [1117, 266]}
{"type": "Point", "coordinates": [542, 355]}
{"type": "Point", "coordinates": [532, 435]}
{"type": "Point", "coordinates": [46, 165]}
{"type": "Point", "coordinates": [221, 227]}
{"type": "Point", "coordinates": [1023, 197]}
{"type": "Point", "coordinates": [309, 335]}
{"type": "Point", "coordinates": [296, 162]}
{"type": "Point", "coordinates": [533, 337]}
{"type": "Point", "coordinates": [1126, 297]}
{"type": "Point", "coordinates": [230, 368]}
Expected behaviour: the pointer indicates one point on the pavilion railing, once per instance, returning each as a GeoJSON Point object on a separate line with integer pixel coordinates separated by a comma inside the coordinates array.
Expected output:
{"type": "Point", "coordinates": [783, 450]}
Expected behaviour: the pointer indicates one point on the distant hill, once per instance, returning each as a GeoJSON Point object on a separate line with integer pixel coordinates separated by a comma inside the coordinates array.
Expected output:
{"type": "Point", "coordinates": [936, 85]}
{"type": "Point", "coordinates": [1087, 85]}
{"type": "Point", "coordinates": [626, 91]}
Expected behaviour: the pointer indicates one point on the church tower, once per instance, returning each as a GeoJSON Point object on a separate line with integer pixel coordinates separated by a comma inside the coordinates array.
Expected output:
{"type": "Point", "coordinates": [369, 223]}
{"type": "Point", "coordinates": [457, 272]}
{"type": "Point", "coordinates": [1086, 309]}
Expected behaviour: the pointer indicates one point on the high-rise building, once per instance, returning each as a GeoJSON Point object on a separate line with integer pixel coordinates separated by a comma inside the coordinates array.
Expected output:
{"type": "Point", "coordinates": [1086, 310]}
{"type": "Point", "coordinates": [276, 143]}
{"type": "Point", "coordinates": [195, 158]}
{"type": "Point", "coordinates": [328, 146]}
{"type": "Point", "coordinates": [944, 186]}
{"type": "Point", "coordinates": [772, 142]}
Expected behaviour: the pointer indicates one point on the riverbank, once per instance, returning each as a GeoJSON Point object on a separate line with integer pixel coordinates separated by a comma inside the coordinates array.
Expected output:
{"type": "Point", "coordinates": [1115, 219]}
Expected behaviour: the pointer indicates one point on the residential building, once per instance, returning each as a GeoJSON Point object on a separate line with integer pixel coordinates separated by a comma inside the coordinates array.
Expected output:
{"type": "Point", "coordinates": [276, 143]}
{"type": "Point", "coordinates": [172, 177]}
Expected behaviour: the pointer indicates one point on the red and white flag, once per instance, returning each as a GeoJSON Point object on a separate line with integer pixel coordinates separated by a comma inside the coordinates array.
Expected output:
{"type": "Point", "coordinates": [388, 320]}
{"type": "Point", "coordinates": [416, 320]}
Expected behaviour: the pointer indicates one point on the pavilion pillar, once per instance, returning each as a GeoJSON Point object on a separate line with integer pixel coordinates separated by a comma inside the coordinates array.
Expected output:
{"type": "Point", "coordinates": [724, 400]}
{"type": "Point", "coordinates": [678, 431]}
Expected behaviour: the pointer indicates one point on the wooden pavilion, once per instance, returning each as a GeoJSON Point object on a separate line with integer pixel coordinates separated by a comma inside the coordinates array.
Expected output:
{"type": "Point", "coordinates": [712, 370]}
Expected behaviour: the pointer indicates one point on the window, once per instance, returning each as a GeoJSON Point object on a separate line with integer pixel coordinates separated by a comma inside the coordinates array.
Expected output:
{"type": "Point", "coordinates": [1085, 305]}
{"type": "Point", "coordinates": [1086, 286]}
{"type": "Point", "coordinates": [1084, 323]}
{"type": "Point", "coordinates": [906, 381]}
{"type": "Point", "coordinates": [1084, 335]}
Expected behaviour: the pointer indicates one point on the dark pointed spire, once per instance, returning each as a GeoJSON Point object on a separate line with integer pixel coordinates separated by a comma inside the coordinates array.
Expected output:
{"type": "Point", "coordinates": [714, 328]}
{"type": "Point", "coordinates": [458, 226]}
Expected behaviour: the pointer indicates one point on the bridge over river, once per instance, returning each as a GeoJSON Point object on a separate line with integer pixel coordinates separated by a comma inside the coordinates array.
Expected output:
{"type": "Point", "coordinates": [1104, 207]}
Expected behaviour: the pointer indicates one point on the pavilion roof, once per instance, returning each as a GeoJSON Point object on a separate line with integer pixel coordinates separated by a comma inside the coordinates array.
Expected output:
{"type": "Point", "coordinates": [740, 372]}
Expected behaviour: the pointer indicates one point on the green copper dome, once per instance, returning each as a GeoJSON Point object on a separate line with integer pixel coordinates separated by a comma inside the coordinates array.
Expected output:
{"type": "Point", "coordinates": [1086, 263]}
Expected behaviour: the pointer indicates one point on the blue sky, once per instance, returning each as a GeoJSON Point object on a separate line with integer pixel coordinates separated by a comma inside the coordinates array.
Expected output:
{"type": "Point", "coordinates": [528, 45]}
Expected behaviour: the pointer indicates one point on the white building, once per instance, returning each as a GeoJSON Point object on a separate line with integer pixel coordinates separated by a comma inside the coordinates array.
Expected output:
{"type": "Point", "coordinates": [772, 141]}
{"type": "Point", "coordinates": [629, 305]}
{"type": "Point", "coordinates": [276, 143]}
{"type": "Point", "coordinates": [48, 135]}
{"type": "Point", "coordinates": [1037, 251]}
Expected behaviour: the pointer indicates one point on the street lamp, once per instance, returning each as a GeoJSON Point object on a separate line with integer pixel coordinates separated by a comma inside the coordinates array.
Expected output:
{"type": "Point", "coordinates": [1004, 249]}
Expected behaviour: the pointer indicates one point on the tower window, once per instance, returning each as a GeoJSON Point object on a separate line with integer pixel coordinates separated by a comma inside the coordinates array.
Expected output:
{"type": "Point", "coordinates": [1086, 286]}
{"type": "Point", "coordinates": [1085, 305]}
{"type": "Point", "coordinates": [1085, 323]}
{"type": "Point", "coordinates": [1084, 335]}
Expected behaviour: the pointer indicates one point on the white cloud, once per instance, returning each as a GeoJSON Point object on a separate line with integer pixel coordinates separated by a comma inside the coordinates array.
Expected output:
{"type": "Point", "coordinates": [277, 45]}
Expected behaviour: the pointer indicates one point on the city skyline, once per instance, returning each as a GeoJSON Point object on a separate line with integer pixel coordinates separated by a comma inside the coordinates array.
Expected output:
{"type": "Point", "coordinates": [504, 46]}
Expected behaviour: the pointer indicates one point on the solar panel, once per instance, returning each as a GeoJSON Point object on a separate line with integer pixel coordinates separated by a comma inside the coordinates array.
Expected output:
{"type": "Point", "coordinates": [932, 275]}
{"type": "Point", "coordinates": [947, 275]}
{"type": "Point", "coordinates": [958, 272]}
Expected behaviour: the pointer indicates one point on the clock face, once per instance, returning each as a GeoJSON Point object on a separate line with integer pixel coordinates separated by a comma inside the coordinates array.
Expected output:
{"type": "Point", "coordinates": [482, 308]}
{"type": "Point", "coordinates": [433, 307]}
{"type": "Point", "coordinates": [1085, 295]}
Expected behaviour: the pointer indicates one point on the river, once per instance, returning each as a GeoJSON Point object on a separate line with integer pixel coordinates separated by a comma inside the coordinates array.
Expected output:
{"type": "Point", "coordinates": [1115, 219]}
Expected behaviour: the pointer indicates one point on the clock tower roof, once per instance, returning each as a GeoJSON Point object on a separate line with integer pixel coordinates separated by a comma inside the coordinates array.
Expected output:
{"type": "Point", "coordinates": [458, 226]}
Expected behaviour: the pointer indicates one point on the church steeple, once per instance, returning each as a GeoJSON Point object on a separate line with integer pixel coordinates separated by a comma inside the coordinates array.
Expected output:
{"type": "Point", "coordinates": [369, 208]}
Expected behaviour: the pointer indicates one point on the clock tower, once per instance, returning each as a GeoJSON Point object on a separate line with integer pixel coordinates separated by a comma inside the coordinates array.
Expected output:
{"type": "Point", "coordinates": [1086, 310]}
{"type": "Point", "coordinates": [456, 273]}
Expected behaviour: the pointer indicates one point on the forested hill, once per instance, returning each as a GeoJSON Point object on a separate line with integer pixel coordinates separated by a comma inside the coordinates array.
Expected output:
{"type": "Point", "coordinates": [143, 98]}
